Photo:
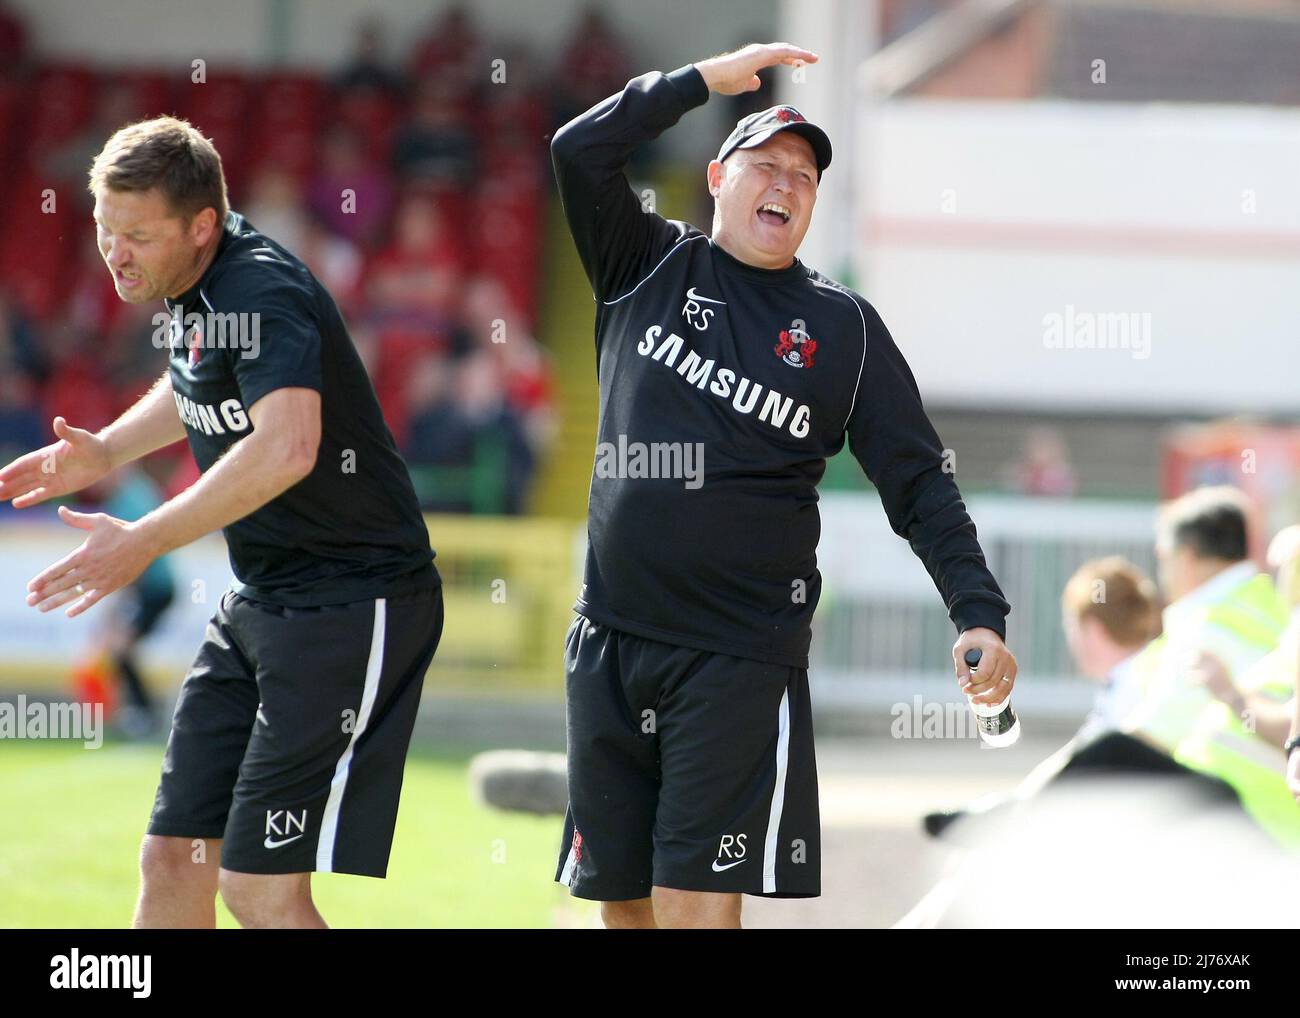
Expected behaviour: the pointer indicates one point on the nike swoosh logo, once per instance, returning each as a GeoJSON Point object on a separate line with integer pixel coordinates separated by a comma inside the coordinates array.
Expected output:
{"type": "Point", "coordinates": [719, 869]}
{"type": "Point", "coordinates": [280, 844]}
{"type": "Point", "coordinates": [708, 300]}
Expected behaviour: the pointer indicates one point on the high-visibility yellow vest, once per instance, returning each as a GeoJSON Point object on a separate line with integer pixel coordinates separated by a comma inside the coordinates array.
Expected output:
{"type": "Point", "coordinates": [1224, 744]}
{"type": "Point", "coordinates": [1242, 627]}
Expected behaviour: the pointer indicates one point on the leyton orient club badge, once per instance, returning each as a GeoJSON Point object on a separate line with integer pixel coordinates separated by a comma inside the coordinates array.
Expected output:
{"type": "Point", "coordinates": [796, 348]}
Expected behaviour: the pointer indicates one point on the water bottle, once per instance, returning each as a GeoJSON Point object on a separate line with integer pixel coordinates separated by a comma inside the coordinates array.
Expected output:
{"type": "Point", "coordinates": [998, 724]}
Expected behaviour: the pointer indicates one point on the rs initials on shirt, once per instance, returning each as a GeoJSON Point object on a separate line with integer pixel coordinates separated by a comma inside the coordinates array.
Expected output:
{"type": "Point", "coordinates": [695, 312]}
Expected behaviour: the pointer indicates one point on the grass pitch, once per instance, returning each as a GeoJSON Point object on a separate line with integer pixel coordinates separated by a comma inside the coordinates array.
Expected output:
{"type": "Point", "coordinates": [71, 820]}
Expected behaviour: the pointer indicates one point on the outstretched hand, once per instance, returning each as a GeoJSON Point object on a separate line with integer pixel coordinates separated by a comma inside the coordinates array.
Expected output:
{"type": "Point", "coordinates": [77, 460]}
{"type": "Point", "coordinates": [112, 556]}
{"type": "Point", "coordinates": [733, 73]}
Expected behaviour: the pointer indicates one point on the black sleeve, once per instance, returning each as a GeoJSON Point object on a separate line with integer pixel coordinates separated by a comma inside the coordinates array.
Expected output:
{"type": "Point", "coordinates": [287, 353]}
{"type": "Point", "coordinates": [894, 441]}
{"type": "Point", "coordinates": [617, 241]}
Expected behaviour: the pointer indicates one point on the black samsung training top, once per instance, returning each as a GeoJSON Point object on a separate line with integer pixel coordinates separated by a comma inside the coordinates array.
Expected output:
{"type": "Point", "coordinates": [350, 530]}
{"type": "Point", "coordinates": [769, 370]}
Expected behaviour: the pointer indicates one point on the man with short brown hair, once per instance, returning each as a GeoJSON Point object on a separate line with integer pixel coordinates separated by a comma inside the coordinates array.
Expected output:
{"type": "Point", "coordinates": [167, 153]}
{"type": "Point", "coordinates": [1110, 611]}
{"type": "Point", "coordinates": [291, 730]}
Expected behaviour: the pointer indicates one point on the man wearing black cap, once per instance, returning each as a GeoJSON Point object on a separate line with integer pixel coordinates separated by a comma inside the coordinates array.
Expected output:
{"type": "Point", "coordinates": [729, 371]}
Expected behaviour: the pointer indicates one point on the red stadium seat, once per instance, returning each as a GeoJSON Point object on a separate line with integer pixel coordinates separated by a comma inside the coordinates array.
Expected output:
{"type": "Point", "coordinates": [80, 383]}
{"type": "Point", "coordinates": [152, 89]}
{"type": "Point", "coordinates": [291, 100]}
{"type": "Point", "coordinates": [505, 247]}
{"type": "Point", "coordinates": [11, 107]}
{"type": "Point", "coordinates": [374, 116]}
{"type": "Point", "coordinates": [290, 148]}
{"type": "Point", "coordinates": [222, 97]}
{"type": "Point", "coordinates": [525, 115]}
{"type": "Point", "coordinates": [219, 108]}
{"type": "Point", "coordinates": [254, 120]}
{"type": "Point", "coordinates": [64, 97]}
{"type": "Point", "coordinates": [287, 122]}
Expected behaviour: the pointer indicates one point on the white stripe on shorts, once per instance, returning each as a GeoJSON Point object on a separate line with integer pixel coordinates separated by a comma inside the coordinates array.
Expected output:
{"type": "Point", "coordinates": [778, 794]}
{"type": "Point", "coordinates": [329, 824]}
{"type": "Point", "coordinates": [570, 863]}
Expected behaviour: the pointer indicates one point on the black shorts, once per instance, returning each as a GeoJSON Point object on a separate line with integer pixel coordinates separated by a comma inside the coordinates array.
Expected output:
{"type": "Point", "coordinates": [290, 734]}
{"type": "Point", "coordinates": [687, 769]}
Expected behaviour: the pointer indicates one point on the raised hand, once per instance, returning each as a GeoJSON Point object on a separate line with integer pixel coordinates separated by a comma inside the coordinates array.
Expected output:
{"type": "Point", "coordinates": [733, 73]}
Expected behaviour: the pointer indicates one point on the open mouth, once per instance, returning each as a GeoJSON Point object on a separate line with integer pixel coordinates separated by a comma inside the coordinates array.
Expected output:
{"type": "Point", "coordinates": [774, 213]}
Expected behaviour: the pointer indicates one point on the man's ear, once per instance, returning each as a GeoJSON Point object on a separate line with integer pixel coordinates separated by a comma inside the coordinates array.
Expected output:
{"type": "Point", "coordinates": [1093, 633]}
{"type": "Point", "coordinates": [714, 175]}
{"type": "Point", "coordinates": [203, 225]}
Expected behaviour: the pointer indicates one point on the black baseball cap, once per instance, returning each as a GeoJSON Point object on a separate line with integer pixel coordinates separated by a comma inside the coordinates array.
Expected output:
{"type": "Point", "coordinates": [758, 127]}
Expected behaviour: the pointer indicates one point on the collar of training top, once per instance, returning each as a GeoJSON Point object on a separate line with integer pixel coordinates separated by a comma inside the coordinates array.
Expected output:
{"type": "Point", "coordinates": [233, 224]}
{"type": "Point", "coordinates": [758, 127]}
{"type": "Point", "coordinates": [793, 272]}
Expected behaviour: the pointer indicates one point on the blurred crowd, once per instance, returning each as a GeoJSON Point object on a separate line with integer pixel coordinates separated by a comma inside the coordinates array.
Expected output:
{"type": "Point", "coordinates": [413, 185]}
{"type": "Point", "coordinates": [1192, 730]}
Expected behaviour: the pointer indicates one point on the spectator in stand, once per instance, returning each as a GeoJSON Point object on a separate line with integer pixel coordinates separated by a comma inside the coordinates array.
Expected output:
{"type": "Point", "coordinates": [90, 304]}
{"type": "Point", "coordinates": [594, 65]}
{"type": "Point", "coordinates": [350, 194]}
{"type": "Point", "coordinates": [460, 417]}
{"type": "Point", "coordinates": [334, 260]}
{"type": "Point", "coordinates": [428, 395]}
{"type": "Point", "coordinates": [132, 348]}
{"type": "Point", "coordinates": [77, 378]}
{"type": "Point", "coordinates": [22, 367]}
{"type": "Point", "coordinates": [452, 51]}
{"type": "Point", "coordinates": [13, 42]}
{"type": "Point", "coordinates": [418, 277]}
{"type": "Point", "coordinates": [369, 69]}
{"type": "Point", "coordinates": [1044, 466]}
{"type": "Point", "coordinates": [411, 302]}
{"type": "Point", "coordinates": [89, 344]}
{"type": "Point", "coordinates": [500, 331]}
{"type": "Point", "coordinates": [521, 105]}
{"type": "Point", "coordinates": [436, 146]}
{"type": "Point", "coordinates": [20, 418]}
{"type": "Point", "coordinates": [94, 323]}
{"type": "Point", "coordinates": [68, 164]}
{"type": "Point", "coordinates": [20, 344]}
{"type": "Point", "coordinates": [275, 206]}
{"type": "Point", "coordinates": [129, 494]}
